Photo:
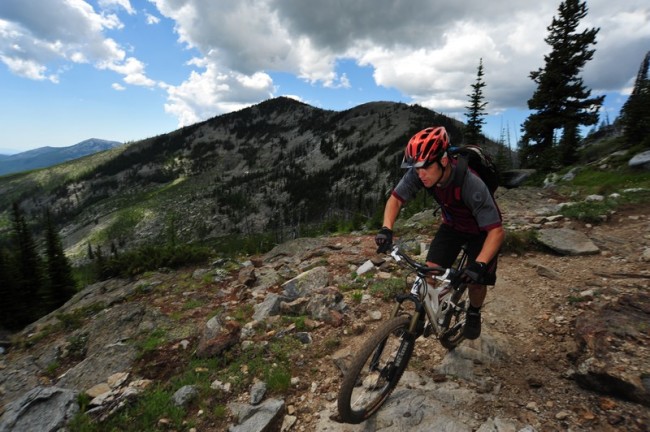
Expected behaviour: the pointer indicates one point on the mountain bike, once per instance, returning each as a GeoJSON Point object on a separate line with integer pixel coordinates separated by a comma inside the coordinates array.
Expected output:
{"type": "Point", "coordinates": [436, 308]}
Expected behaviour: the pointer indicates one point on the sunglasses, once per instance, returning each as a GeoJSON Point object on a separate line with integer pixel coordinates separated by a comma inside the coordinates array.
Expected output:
{"type": "Point", "coordinates": [410, 163]}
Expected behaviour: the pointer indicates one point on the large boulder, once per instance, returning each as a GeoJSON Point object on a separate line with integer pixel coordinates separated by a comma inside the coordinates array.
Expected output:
{"type": "Point", "coordinates": [567, 242]}
{"type": "Point", "coordinates": [605, 361]}
{"type": "Point", "coordinates": [43, 409]}
{"type": "Point", "coordinates": [640, 160]}
{"type": "Point", "coordinates": [515, 178]}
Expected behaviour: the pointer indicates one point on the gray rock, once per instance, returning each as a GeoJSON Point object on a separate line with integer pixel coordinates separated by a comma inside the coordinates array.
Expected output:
{"type": "Point", "coordinates": [567, 241]}
{"type": "Point", "coordinates": [304, 338]}
{"type": "Point", "coordinates": [307, 282]}
{"type": "Point", "coordinates": [640, 160]}
{"type": "Point", "coordinates": [258, 390]}
{"type": "Point", "coordinates": [295, 247]}
{"type": "Point", "coordinates": [257, 418]}
{"type": "Point", "coordinates": [99, 366]}
{"type": "Point", "coordinates": [42, 409]}
{"type": "Point", "coordinates": [19, 376]}
{"type": "Point", "coordinates": [247, 276]}
{"type": "Point", "coordinates": [185, 395]}
{"type": "Point", "coordinates": [270, 306]}
{"type": "Point", "coordinates": [212, 328]}
{"type": "Point", "coordinates": [365, 267]}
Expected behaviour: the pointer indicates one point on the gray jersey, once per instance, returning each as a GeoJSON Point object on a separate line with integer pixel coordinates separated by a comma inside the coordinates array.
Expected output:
{"type": "Point", "coordinates": [470, 208]}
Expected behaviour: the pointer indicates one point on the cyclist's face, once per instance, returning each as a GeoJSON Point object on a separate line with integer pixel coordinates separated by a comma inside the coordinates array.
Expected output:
{"type": "Point", "coordinates": [432, 174]}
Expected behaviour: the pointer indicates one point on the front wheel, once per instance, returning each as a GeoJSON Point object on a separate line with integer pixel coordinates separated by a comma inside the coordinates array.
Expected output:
{"type": "Point", "coordinates": [375, 370]}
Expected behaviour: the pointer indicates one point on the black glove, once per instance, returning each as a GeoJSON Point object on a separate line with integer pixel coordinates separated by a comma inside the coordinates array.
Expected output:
{"type": "Point", "coordinates": [384, 240]}
{"type": "Point", "coordinates": [474, 272]}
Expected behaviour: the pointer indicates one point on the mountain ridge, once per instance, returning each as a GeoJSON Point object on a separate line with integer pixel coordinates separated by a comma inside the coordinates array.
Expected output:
{"type": "Point", "coordinates": [44, 157]}
{"type": "Point", "coordinates": [274, 169]}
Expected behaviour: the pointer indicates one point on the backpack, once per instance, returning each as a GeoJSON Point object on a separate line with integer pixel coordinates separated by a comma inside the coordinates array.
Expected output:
{"type": "Point", "coordinates": [477, 159]}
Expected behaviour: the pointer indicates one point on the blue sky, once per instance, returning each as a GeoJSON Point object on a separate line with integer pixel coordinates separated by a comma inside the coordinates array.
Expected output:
{"type": "Point", "coordinates": [126, 70]}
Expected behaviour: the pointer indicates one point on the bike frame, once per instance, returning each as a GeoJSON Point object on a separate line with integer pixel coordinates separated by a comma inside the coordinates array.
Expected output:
{"type": "Point", "coordinates": [433, 304]}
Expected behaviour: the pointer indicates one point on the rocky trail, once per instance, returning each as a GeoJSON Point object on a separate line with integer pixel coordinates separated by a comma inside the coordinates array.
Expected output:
{"type": "Point", "coordinates": [565, 343]}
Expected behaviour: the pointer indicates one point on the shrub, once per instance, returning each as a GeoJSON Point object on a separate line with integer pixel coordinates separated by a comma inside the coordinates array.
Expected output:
{"type": "Point", "coordinates": [519, 242]}
{"type": "Point", "coordinates": [151, 257]}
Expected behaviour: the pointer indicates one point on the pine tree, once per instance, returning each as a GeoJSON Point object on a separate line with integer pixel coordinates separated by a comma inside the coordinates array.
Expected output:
{"type": "Point", "coordinates": [61, 284]}
{"type": "Point", "coordinates": [8, 292]}
{"type": "Point", "coordinates": [635, 114]}
{"type": "Point", "coordinates": [29, 268]}
{"type": "Point", "coordinates": [561, 101]}
{"type": "Point", "coordinates": [476, 110]}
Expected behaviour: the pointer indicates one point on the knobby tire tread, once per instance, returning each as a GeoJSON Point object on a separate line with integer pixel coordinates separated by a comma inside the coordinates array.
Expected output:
{"type": "Point", "coordinates": [454, 334]}
{"type": "Point", "coordinates": [367, 349]}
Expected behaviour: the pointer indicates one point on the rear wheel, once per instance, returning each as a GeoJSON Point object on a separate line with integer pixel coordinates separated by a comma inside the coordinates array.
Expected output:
{"type": "Point", "coordinates": [375, 370]}
{"type": "Point", "coordinates": [455, 320]}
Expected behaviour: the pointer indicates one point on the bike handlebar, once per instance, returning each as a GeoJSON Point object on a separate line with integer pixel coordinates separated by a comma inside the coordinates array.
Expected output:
{"type": "Point", "coordinates": [399, 255]}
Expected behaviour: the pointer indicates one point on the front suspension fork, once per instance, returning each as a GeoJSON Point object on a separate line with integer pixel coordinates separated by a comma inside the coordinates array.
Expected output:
{"type": "Point", "coordinates": [416, 326]}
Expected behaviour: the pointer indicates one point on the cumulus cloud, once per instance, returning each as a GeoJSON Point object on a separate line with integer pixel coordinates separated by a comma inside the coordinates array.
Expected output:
{"type": "Point", "coordinates": [213, 91]}
{"type": "Point", "coordinates": [427, 50]}
{"type": "Point", "coordinates": [34, 45]}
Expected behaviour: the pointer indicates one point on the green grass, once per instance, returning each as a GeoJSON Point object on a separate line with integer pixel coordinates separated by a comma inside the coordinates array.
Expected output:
{"type": "Point", "coordinates": [590, 212]}
{"type": "Point", "coordinates": [193, 304]}
{"type": "Point", "coordinates": [387, 288]}
{"type": "Point", "coordinates": [593, 181]}
{"type": "Point", "coordinates": [271, 363]}
{"type": "Point", "coordinates": [154, 340]}
{"type": "Point", "coordinates": [149, 408]}
{"type": "Point", "coordinates": [357, 295]}
{"type": "Point", "coordinates": [243, 313]}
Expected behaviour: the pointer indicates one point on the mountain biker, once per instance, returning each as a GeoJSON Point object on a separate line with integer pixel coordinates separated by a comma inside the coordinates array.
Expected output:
{"type": "Point", "coordinates": [469, 215]}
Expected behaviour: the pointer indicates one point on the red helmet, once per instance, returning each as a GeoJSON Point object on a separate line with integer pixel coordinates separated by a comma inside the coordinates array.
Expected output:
{"type": "Point", "coordinates": [426, 147]}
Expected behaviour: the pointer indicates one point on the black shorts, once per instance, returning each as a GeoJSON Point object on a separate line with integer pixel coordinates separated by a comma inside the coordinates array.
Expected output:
{"type": "Point", "coordinates": [446, 246]}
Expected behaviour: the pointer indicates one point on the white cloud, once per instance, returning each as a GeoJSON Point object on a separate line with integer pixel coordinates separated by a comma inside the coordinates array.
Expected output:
{"type": "Point", "coordinates": [118, 87]}
{"type": "Point", "coordinates": [214, 92]}
{"type": "Point", "coordinates": [125, 4]}
{"type": "Point", "coordinates": [426, 49]}
{"type": "Point", "coordinates": [132, 69]}
{"type": "Point", "coordinates": [27, 68]}
{"type": "Point", "coordinates": [33, 45]}
{"type": "Point", "coordinates": [152, 19]}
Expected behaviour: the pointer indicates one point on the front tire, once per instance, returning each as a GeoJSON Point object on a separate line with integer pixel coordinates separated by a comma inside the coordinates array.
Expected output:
{"type": "Point", "coordinates": [375, 370]}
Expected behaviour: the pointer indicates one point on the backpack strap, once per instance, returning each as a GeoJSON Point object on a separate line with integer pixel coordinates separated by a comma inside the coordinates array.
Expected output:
{"type": "Point", "coordinates": [461, 172]}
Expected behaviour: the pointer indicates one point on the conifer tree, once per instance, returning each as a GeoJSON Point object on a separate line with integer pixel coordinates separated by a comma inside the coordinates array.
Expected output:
{"type": "Point", "coordinates": [635, 114]}
{"type": "Point", "coordinates": [8, 292]}
{"type": "Point", "coordinates": [561, 102]}
{"type": "Point", "coordinates": [61, 284]}
{"type": "Point", "coordinates": [30, 270]}
{"type": "Point", "coordinates": [476, 110]}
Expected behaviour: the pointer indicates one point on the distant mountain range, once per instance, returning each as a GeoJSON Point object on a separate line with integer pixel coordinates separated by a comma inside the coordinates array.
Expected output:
{"type": "Point", "coordinates": [44, 157]}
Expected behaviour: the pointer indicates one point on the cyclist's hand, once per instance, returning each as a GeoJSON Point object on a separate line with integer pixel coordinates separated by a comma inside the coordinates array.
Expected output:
{"type": "Point", "coordinates": [474, 272]}
{"type": "Point", "coordinates": [384, 240]}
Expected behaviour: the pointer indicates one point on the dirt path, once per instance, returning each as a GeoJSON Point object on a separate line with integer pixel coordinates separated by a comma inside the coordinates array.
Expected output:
{"type": "Point", "coordinates": [534, 307]}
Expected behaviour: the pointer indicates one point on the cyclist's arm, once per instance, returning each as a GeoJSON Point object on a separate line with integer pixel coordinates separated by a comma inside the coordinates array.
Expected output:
{"type": "Point", "coordinates": [492, 244]}
{"type": "Point", "coordinates": [407, 188]}
{"type": "Point", "coordinates": [393, 205]}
